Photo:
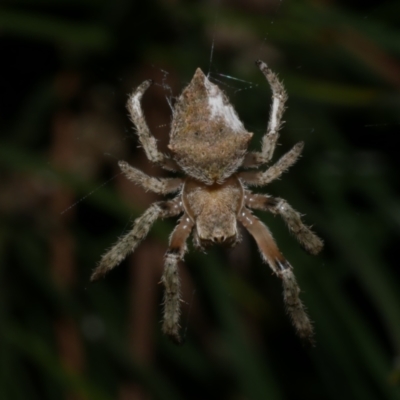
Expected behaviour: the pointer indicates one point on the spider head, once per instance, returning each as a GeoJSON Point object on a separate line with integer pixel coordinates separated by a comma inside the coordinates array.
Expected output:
{"type": "Point", "coordinates": [214, 210]}
{"type": "Point", "coordinates": [220, 230]}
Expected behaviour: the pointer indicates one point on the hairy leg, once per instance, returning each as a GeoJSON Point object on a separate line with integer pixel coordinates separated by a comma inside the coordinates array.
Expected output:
{"type": "Point", "coordinates": [170, 278]}
{"type": "Point", "coordinates": [281, 267]}
{"type": "Point", "coordinates": [306, 237]}
{"type": "Point", "coordinates": [141, 226]}
{"type": "Point", "coordinates": [156, 185]}
{"type": "Point", "coordinates": [279, 98]}
{"type": "Point", "coordinates": [148, 142]}
{"type": "Point", "coordinates": [275, 171]}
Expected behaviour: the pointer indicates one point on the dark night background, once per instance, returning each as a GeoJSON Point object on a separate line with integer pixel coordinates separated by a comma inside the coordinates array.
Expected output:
{"type": "Point", "coordinates": [67, 67]}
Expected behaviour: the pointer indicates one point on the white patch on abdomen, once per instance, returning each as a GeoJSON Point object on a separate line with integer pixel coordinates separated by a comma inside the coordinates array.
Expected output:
{"type": "Point", "coordinates": [220, 110]}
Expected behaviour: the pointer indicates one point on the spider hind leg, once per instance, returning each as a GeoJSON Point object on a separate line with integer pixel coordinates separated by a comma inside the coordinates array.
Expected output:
{"type": "Point", "coordinates": [279, 97]}
{"type": "Point", "coordinates": [148, 141]}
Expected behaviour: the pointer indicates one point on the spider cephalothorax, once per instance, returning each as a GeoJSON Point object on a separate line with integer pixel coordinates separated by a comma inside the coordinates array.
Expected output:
{"type": "Point", "coordinates": [209, 144]}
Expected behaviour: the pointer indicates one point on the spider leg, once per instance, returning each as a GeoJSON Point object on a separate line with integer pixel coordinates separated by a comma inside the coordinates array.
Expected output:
{"type": "Point", "coordinates": [306, 237]}
{"type": "Point", "coordinates": [156, 185]}
{"type": "Point", "coordinates": [254, 178]}
{"type": "Point", "coordinates": [279, 97]}
{"type": "Point", "coordinates": [281, 267]}
{"type": "Point", "coordinates": [141, 226]}
{"type": "Point", "coordinates": [170, 278]}
{"type": "Point", "coordinates": [148, 142]}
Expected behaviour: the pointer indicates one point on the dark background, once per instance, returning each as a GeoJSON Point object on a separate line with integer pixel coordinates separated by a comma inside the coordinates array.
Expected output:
{"type": "Point", "coordinates": [67, 67]}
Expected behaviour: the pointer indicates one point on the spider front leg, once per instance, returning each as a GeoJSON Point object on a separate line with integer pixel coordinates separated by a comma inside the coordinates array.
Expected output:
{"type": "Point", "coordinates": [146, 139]}
{"type": "Point", "coordinates": [279, 98]}
{"type": "Point", "coordinates": [170, 278]}
{"type": "Point", "coordinates": [141, 226]}
{"type": "Point", "coordinates": [281, 267]}
{"type": "Point", "coordinates": [275, 171]}
{"type": "Point", "coordinates": [306, 237]}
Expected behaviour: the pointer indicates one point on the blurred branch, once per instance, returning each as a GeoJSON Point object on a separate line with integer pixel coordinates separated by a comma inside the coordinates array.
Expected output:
{"type": "Point", "coordinates": [85, 36]}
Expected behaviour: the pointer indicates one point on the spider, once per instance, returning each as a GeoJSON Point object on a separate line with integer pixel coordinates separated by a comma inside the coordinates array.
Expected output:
{"type": "Point", "coordinates": [208, 143]}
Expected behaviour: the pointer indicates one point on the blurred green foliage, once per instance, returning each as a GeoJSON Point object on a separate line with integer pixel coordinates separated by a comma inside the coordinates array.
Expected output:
{"type": "Point", "coordinates": [67, 67]}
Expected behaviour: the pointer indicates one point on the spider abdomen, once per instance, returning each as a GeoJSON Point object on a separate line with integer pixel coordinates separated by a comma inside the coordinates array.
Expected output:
{"type": "Point", "coordinates": [208, 140]}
